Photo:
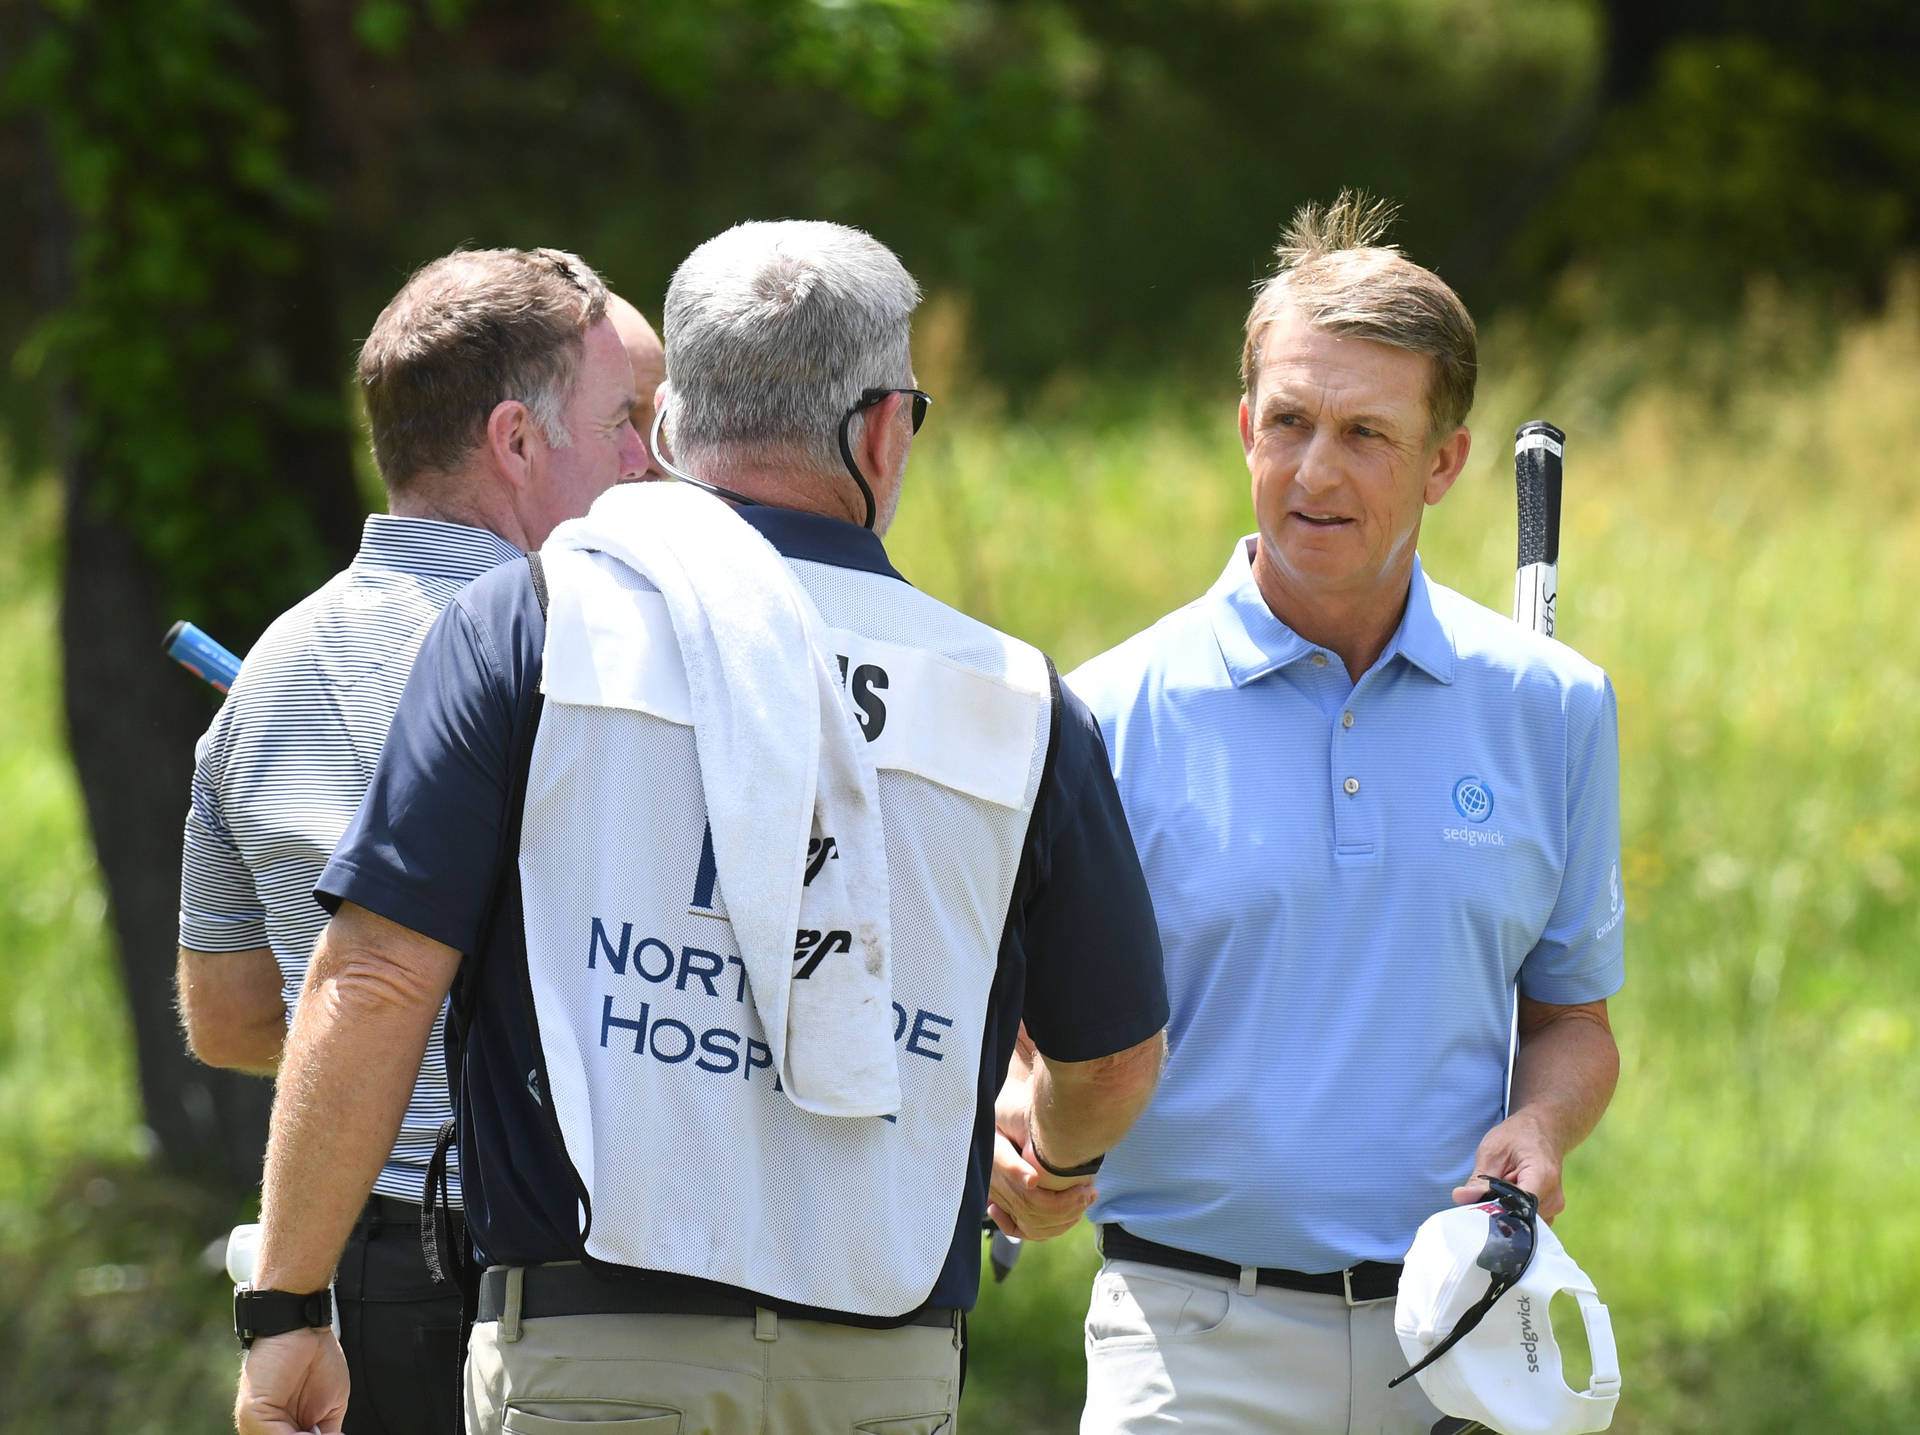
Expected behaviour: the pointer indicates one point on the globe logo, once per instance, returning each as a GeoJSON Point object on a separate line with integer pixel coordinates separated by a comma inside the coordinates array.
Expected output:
{"type": "Point", "coordinates": [1473, 799]}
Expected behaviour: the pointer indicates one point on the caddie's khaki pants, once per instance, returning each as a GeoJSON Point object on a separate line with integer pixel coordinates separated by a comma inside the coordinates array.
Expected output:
{"type": "Point", "coordinates": [667, 1374]}
{"type": "Point", "coordinates": [1174, 1350]}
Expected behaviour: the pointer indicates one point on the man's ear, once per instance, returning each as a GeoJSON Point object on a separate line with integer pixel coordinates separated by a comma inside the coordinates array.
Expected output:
{"type": "Point", "coordinates": [510, 441]}
{"type": "Point", "coordinates": [1448, 460]}
{"type": "Point", "coordinates": [660, 392]}
{"type": "Point", "coordinates": [885, 437]}
{"type": "Point", "coordinates": [1246, 427]}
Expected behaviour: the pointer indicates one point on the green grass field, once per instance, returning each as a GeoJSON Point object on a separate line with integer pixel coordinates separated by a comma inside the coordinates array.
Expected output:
{"type": "Point", "coordinates": [1750, 1208]}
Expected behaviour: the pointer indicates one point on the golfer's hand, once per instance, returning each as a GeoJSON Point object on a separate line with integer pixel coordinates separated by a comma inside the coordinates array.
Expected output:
{"type": "Point", "coordinates": [1021, 1205]}
{"type": "Point", "coordinates": [1517, 1150]}
{"type": "Point", "coordinates": [1011, 1106]}
{"type": "Point", "coordinates": [291, 1384]}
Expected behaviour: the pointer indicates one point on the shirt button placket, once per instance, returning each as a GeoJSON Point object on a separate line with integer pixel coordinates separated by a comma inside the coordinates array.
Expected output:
{"type": "Point", "coordinates": [1353, 829]}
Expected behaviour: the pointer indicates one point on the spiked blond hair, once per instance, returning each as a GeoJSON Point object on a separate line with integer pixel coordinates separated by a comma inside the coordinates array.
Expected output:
{"type": "Point", "coordinates": [1335, 267]}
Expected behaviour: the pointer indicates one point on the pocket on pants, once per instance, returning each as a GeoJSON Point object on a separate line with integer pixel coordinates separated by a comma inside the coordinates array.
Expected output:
{"type": "Point", "coordinates": [1131, 1308]}
{"type": "Point", "coordinates": [590, 1417]}
{"type": "Point", "coordinates": [933, 1424]}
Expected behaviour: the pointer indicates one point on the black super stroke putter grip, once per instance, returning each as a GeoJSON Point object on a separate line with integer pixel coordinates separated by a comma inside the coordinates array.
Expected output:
{"type": "Point", "coordinates": [1539, 452]}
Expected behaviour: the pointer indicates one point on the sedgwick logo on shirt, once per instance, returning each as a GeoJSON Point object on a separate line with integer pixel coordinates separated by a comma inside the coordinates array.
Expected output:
{"type": "Point", "coordinates": [1473, 800]}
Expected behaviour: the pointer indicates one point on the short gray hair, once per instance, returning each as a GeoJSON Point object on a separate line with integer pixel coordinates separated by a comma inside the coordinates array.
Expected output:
{"type": "Point", "coordinates": [467, 332]}
{"type": "Point", "coordinates": [1336, 268]}
{"type": "Point", "coordinates": [772, 332]}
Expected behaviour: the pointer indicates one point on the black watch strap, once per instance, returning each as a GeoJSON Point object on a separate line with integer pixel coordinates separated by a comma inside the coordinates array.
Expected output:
{"type": "Point", "coordinates": [259, 1314]}
{"type": "Point", "coordinates": [1065, 1173]}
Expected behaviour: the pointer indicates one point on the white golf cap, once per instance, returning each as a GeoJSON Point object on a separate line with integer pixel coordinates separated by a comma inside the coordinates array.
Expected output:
{"type": "Point", "coordinates": [1506, 1373]}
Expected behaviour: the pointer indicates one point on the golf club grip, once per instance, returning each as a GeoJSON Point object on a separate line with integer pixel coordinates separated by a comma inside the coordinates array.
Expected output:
{"type": "Point", "coordinates": [201, 656]}
{"type": "Point", "coordinates": [1539, 450]}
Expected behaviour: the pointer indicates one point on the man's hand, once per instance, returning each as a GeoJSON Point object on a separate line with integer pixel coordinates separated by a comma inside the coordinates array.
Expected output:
{"type": "Point", "coordinates": [1563, 1076]}
{"type": "Point", "coordinates": [1517, 1150]}
{"type": "Point", "coordinates": [291, 1384]}
{"type": "Point", "coordinates": [1025, 1200]}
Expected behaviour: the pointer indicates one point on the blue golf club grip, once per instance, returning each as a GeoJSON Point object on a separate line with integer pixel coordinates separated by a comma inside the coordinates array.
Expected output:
{"type": "Point", "coordinates": [201, 656]}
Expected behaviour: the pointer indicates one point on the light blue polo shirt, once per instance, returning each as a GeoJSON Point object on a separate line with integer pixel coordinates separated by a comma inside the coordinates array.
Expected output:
{"type": "Point", "coordinates": [1350, 880]}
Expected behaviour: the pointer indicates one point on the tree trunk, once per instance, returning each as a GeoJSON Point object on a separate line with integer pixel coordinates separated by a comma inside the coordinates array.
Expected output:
{"type": "Point", "coordinates": [132, 719]}
{"type": "Point", "coordinates": [131, 726]}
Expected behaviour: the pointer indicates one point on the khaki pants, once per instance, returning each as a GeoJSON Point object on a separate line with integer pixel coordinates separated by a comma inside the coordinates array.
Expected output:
{"type": "Point", "coordinates": [1171, 1350]}
{"type": "Point", "coordinates": [708, 1375]}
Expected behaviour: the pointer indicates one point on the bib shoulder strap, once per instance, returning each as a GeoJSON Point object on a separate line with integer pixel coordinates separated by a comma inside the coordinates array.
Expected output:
{"type": "Point", "coordinates": [443, 1259]}
{"type": "Point", "coordinates": [538, 570]}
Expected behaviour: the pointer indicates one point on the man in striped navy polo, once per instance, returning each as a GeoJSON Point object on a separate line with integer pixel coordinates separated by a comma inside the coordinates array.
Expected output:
{"type": "Point", "coordinates": [499, 400]}
{"type": "Point", "coordinates": [1378, 822]}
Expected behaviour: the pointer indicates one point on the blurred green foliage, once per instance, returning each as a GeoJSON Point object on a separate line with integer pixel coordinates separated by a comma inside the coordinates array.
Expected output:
{"type": "Point", "coordinates": [245, 182]}
{"type": "Point", "coordinates": [1740, 160]}
{"type": "Point", "coordinates": [180, 185]}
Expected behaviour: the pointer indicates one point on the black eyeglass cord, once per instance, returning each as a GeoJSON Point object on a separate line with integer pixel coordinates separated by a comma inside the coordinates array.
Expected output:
{"type": "Point", "coordinates": [846, 457]}
{"type": "Point", "coordinates": [868, 398]}
{"type": "Point", "coordinates": [679, 474]}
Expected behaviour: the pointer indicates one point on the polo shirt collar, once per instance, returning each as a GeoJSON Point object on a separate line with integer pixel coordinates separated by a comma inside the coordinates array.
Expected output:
{"type": "Point", "coordinates": [1254, 643]}
{"type": "Point", "coordinates": [430, 548]}
{"type": "Point", "coordinates": [1422, 638]}
{"type": "Point", "coordinates": [815, 538]}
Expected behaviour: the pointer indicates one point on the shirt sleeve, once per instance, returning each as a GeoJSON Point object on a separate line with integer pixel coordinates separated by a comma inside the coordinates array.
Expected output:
{"type": "Point", "coordinates": [1096, 980]}
{"type": "Point", "coordinates": [424, 848]}
{"type": "Point", "coordinates": [1581, 956]}
{"type": "Point", "coordinates": [220, 908]}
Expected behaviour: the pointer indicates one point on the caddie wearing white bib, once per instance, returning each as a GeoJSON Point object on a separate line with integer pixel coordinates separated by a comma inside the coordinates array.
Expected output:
{"type": "Point", "coordinates": [751, 860]}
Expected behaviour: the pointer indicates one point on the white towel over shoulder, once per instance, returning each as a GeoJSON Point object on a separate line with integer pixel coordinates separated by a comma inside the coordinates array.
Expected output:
{"type": "Point", "coordinates": [783, 763]}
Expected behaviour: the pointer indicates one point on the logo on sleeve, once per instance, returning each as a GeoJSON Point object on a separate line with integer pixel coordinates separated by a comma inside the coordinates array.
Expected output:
{"type": "Point", "coordinates": [1614, 913]}
{"type": "Point", "coordinates": [1473, 800]}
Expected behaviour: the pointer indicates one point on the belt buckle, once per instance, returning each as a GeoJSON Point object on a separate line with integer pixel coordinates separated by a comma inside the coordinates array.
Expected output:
{"type": "Point", "coordinates": [1346, 1286]}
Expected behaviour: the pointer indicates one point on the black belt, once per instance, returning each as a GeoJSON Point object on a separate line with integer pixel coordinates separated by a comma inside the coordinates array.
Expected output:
{"type": "Point", "coordinates": [576, 1290]}
{"type": "Point", "coordinates": [383, 1211]}
{"type": "Point", "coordinates": [1370, 1280]}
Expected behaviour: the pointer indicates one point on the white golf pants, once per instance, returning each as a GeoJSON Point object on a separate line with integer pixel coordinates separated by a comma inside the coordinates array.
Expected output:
{"type": "Point", "coordinates": [1173, 1350]}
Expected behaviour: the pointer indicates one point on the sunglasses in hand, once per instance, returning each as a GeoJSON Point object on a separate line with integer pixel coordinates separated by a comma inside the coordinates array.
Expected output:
{"type": "Point", "coordinates": [1505, 1257]}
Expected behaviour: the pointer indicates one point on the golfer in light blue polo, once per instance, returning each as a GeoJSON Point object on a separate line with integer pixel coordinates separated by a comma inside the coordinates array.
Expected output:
{"type": "Point", "coordinates": [1373, 816]}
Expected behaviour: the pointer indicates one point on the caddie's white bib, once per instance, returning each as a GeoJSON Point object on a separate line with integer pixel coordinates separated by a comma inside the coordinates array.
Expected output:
{"type": "Point", "coordinates": [691, 1159]}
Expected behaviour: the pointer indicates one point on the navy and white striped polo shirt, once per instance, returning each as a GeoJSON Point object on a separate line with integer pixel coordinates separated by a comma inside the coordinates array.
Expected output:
{"type": "Point", "coordinates": [282, 769]}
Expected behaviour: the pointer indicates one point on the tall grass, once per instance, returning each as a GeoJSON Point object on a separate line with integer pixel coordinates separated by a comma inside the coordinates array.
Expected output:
{"type": "Point", "coordinates": [1751, 1206]}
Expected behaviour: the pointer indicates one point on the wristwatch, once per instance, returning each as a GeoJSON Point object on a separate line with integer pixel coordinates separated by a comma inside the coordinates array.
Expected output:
{"type": "Point", "coordinates": [259, 1314]}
